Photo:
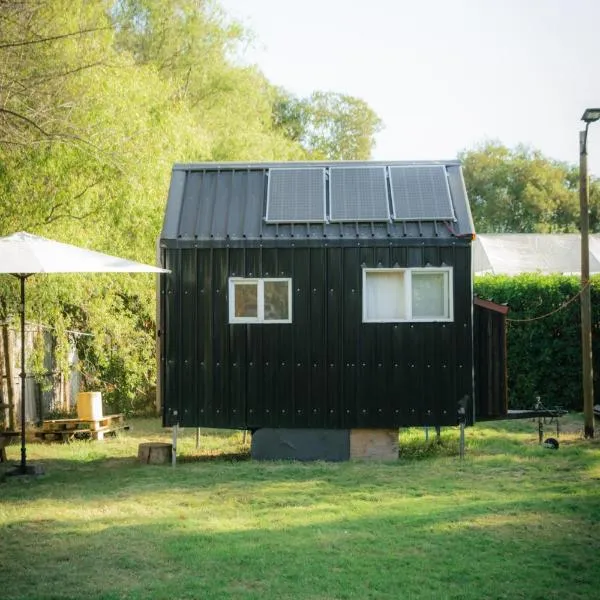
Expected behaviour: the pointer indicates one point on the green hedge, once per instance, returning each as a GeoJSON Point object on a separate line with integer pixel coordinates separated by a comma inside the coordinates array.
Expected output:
{"type": "Point", "coordinates": [544, 354]}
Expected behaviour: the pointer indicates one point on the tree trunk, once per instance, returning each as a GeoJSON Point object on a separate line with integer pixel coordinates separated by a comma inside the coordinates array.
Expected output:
{"type": "Point", "coordinates": [8, 368]}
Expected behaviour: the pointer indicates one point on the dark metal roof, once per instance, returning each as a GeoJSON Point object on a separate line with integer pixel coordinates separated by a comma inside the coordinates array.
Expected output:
{"type": "Point", "coordinates": [212, 203]}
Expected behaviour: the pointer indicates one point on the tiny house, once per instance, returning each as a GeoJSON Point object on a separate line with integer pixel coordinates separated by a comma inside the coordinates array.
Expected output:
{"type": "Point", "coordinates": [316, 296]}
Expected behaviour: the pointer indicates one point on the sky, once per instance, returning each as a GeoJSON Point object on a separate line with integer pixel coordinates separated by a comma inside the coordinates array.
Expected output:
{"type": "Point", "coordinates": [443, 75]}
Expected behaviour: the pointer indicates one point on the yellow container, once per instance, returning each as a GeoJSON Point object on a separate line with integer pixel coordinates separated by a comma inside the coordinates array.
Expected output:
{"type": "Point", "coordinates": [89, 406]}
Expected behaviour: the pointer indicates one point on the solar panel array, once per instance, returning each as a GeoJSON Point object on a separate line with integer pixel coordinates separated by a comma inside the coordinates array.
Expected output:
{"type": "Point", "coordinates": [358, 194]}
{"type": "Point", "coordinates": [296, 196]}
{"type": "Point", "coordinates": [418, 193]}
{"type": "Point", "coordinates": [421, 193]}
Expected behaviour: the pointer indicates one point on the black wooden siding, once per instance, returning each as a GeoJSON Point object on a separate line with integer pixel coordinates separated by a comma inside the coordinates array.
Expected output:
{"type": "Point", "coordinates": [326, 369]}
{"type": "Point", "coordinates": [491, 387]}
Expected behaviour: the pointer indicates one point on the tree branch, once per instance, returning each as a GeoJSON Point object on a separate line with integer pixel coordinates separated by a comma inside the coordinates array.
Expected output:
{"type": "Point", "coordinates": [52, 38]}
{"type": "Point", "coordinates": [41, 79]}
{"type": "Point", "coordinates": [53, 216]}
{"type": "Point", "coordinates": [26, 119]}
{"type": "Point", "coordinates": [67, 215]}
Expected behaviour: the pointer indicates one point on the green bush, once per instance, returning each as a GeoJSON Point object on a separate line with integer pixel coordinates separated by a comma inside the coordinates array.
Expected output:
{"type": "Point", "coordinates": [544, 336]}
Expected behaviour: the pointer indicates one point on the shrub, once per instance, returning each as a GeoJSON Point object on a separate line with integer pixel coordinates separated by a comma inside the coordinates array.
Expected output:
{"type": "Point", "coordinates": [544, 336]}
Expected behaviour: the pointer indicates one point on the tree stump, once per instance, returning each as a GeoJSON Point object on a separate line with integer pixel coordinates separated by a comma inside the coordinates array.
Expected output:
{"type": "Point", "coordinates": [155, 453]}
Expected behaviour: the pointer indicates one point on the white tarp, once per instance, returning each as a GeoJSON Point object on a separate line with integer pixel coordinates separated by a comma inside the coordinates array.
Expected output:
{"type": "Point", "coordinates": [514, 253]}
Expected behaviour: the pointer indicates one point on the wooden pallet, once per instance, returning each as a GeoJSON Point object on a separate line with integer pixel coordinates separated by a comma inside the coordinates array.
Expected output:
{"type": "Point", "coordinates": [71, 429]}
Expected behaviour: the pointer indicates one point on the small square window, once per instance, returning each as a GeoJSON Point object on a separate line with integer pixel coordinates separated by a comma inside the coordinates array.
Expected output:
{"type": "Point", "coordinates": [394, 295]}
{"type": "Point", "coordinates": [246, 299]}
{"type": "Point", "coordinates": [277, 300]}
{"type": "Point", "coordinates": [429, 297]}
{"type": "Point", "coordinates": [384, 295]}
{"type": "Point", "coordinates": [260, 300]}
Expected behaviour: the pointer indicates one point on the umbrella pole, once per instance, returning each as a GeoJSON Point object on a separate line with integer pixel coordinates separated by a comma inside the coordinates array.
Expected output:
{"type": "Point", "coordinates": [23, 468]}
{"type": "Point", "coordinates": [22, 375]}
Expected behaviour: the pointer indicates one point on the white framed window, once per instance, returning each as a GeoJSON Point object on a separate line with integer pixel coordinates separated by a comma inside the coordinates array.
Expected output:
{"type": "Point", "coordinates": [395, 295]}
{"type": "Point", "coordinates": [267, 300]}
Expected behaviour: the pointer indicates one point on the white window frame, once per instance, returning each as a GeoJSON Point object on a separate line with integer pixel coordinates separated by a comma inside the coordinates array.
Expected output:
{"type": "Point", "coordinates": [260, 309]}
{"type": "Point", "coordinates": [407, 281]}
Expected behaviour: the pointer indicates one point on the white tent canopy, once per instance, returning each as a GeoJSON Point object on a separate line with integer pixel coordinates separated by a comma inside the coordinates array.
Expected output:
{"type": "Point", "coordinates": [515, 253]}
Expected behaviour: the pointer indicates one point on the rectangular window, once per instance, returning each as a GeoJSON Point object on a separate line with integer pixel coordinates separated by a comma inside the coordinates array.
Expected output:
{"type": "Point", "coordinates": [260, 300]}
{"type": "Point", "coordinates": [394, 295]}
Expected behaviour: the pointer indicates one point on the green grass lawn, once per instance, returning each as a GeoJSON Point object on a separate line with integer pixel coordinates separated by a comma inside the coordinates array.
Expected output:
{"type": "Point", "coordinates": [513, 520]}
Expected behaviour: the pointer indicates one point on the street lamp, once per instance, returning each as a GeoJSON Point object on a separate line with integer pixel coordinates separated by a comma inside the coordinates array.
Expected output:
{"type": "Point", "coordinates": [589, 116]}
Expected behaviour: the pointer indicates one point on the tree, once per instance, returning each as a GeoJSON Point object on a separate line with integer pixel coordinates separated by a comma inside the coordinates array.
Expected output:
{"type": "Point", "coordinates": [328, 125]}
{"type": "Point", "coordinates": [520, 190]}
{"type": "Point", "coordinates": [97, 101]}
{"type": "Point", "coordinates": [85, 154]}
{"type": "Point", "coordinates": [189, 43]}
{"type": "Point", "coordinates": [40, 53]}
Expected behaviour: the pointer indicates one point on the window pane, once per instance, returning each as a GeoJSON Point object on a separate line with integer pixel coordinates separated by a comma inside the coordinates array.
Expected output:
{"type": "Point", "coordinates": [428, 295]}
{"type": "Point", "coordinates": [276, 300]}
{"type": "Point", "coordinates": [384, 296]}
{"type": "Point", "coordinates": [246, 299]}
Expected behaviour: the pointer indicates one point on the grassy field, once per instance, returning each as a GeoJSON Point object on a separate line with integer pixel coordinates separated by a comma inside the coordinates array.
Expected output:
{"type": "Point", "coordinates": [513, 520]}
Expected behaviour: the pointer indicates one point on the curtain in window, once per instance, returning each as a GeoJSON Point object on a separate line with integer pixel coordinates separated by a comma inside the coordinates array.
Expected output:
{"type": "Point", "coordinates": [246, 299]}
{"type": "Point", "coordinates": [428, 295]}
{"type": "Point", "coordinates": [385, 296]}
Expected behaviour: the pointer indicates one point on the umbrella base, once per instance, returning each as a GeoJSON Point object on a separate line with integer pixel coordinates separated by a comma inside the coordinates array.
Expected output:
{"type": "Point", "coordinates": [28, 470]}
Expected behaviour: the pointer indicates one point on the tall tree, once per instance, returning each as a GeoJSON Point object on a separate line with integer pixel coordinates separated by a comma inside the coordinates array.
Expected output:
{"type": "Point", "coordinates": [97, 101]}
{"type": "Point", "coordinates": [328, 125]}
{"type": "Point", "coordinates": [520, 190]}
{"type": "Point", "coordinates": [190, 43]}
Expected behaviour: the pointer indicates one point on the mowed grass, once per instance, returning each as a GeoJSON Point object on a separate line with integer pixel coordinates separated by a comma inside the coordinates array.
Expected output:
{"type": "Point", "coordinates": [513, 520]}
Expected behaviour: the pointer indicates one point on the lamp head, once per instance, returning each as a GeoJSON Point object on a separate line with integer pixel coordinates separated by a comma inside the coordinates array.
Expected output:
{"type": "Point", "coordinates": [590, 115]}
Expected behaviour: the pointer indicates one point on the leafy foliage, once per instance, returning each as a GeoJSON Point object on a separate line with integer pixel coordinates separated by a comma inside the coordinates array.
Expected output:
{"type": "Point", "coordinates": [544, 336]}
{"type": "Point", "coordinates": [521, 191]}
{"type": "Point", "coordinates": [97, 101]}
{"type": "Point", "coordinates": [327, 125]}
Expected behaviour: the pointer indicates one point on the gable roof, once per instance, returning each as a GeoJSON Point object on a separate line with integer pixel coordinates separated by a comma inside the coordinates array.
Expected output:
{"type": "Point", "coordinates": [235, 203]}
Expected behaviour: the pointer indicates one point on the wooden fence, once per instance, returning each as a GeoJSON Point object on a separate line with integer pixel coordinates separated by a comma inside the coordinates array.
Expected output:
{"type": "Point", "coordinates": [48, 393]}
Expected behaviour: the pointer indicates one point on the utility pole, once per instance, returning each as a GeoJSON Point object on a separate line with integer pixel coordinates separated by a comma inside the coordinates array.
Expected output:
{"type": "Point", "coordinates": [589, 116]}
{"type": "Point", "coordinates": [586, 301]}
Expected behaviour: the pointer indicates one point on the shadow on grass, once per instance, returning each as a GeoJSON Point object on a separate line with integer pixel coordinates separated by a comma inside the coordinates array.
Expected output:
{"type": "Point", "coordinates": [512, 549]}
{"type": "Point", "coordinates": [229, 457]}
{"type": "Point", "coordinates": [106, 465]}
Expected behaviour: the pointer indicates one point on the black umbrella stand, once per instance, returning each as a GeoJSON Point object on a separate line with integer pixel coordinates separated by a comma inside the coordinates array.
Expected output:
{"type": "Point", "coordinates": [23, 468]}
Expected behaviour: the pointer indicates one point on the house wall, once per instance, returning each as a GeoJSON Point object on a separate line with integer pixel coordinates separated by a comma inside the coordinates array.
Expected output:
{"type": "Point", "coordinates": [327, 369]}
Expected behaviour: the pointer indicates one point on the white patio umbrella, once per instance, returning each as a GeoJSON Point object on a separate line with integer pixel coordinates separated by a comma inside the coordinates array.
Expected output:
{"type": "Point", "coordinates": [23, 255]}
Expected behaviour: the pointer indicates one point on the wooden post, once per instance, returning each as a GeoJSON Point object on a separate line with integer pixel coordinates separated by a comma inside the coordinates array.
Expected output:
{"type": "Point", "coordinates": [174, 445]}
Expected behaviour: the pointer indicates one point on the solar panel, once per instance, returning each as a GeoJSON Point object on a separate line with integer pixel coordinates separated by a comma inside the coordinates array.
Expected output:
{"type": "Point", "coordinates": [421, 193]}
{"type": "Point", "coordinates": [358, 194]}
{"type": "Point", "coordinates": [296, 196]}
